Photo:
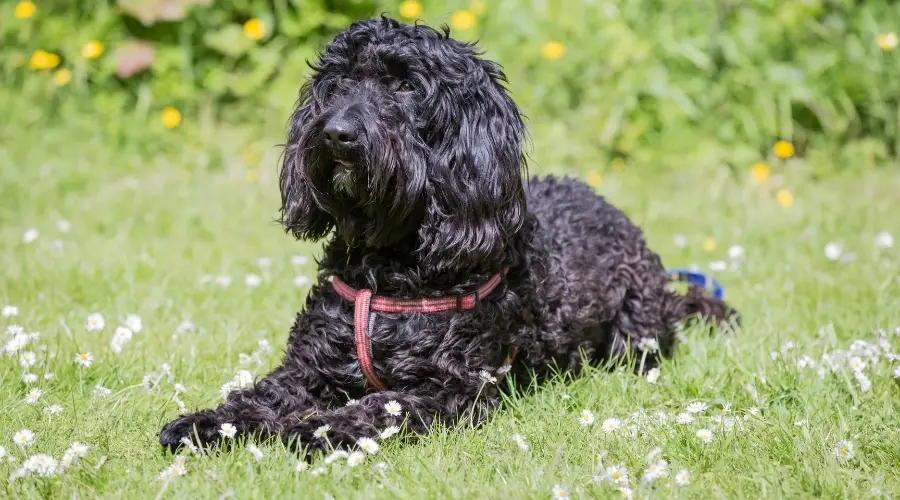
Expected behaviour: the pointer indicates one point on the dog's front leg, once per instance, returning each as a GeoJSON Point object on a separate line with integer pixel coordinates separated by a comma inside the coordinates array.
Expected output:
{"type": "Point", "coordinates": [257, 410]}
{"type": "Point", "coordinates": [413, 411]}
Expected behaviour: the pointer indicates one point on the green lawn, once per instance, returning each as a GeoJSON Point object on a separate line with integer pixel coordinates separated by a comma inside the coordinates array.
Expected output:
{"type": "Point", "coordinates": [151, 221]}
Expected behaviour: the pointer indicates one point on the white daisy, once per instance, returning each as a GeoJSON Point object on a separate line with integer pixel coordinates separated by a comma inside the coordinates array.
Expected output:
{"type": "Point", "coordinates": [679, 240]}
{"type": "Point", "coordinates": [184, 327]}
{"type": "Point", "coordinates": [84, 359]}
{"type": "Point", "coordinates": [30, 235]}
{"type": "Point", "coordinates": [264, 262]}
{"type": "Point", "coordinates": [222, 280]}
{"type": "Point", "coordinates": [228, 430]}
{"type": "Point", "coordinates": [121, 337]}
{"type": "Point", "coordinates": [705, 435]}
{"type": "Point", "coordinates": [356, 458]}
{"type": "Point", "coordinates": [9, 311]}
{"type": "Point", "coordinates": [243, 379]}
{"type": "Point", "coordinates": [611, 425]}
{"type": "Point", "coordinates": [379, 467]}
{"type": "Point", "coordinates": [616, 474]}
{"type": "Point", "coordinates": [487, 377]}
{"type": "Point", "coordinates": [736, 252]}
{"type": "Point", "coordinates": [368, 445]}
{"type": "Point", "coordinates": [503, 370]}
{"type": "Point", "coordinates": [302, 466]}
{"type": "Point", "coordinates": [897, 372]}
{"type": "Point", "coordinates": [696, 407]}
{"type": "Point", "coordinates": [321, 432]}
{"type": "Point", "coordinates": [560, 492]}
{"type": "Point", "coordinates": [682, 478]}
{"type": "Point", "coordinates": [27, 359]}
{"type": "Point", "coordinates": [833, 251]}
{"type": "Point", "coordinates": [335, 456]}
{"type": "Point", "coordinates": [178, 468]}
{"type": "Point", "coordinates": [301, 281]}
{"type": "Point", "coordinates": [318, 471]}
{"type": "Point", "coordinates": [351, 402]}
{"type": "Point", "coordinates": [656, 470]}
{"type": "Point", "coordinates": [389, 432]}
{"type": "Point", "coordinates": [393, 408]}
{"type": "Point", "coordinates": [134, 323]}
{"type": "Point", "coordinates": [63, 226]}
{"type": "Point", "coordinates": [256, 452]}
{"type": "Point", "coordinates": [844, 450]}
{"type": "Point", "coordinates": [299, 260]}
{"type": "Point", "coordinates": [53, 409]}
{"type": "Point", "coordinates": [520, 442]}
{"type": "Point", "coordinates": [884, 240]}
{"type": "Point", "coordinates": [865, 385]}
{"type": "Point", "coordinates": [718, 265]}
{"type": "Point", "coordinates": [33, 396]}
{"type": "Point", "coordinates": [42, 465]}
{"type": "Point", "coordinates": [857, 364]}
{"type": "Point", "coordinates": [29, 378]}
{"type": "Point", "coordinates": [18, 342]}
{"type": "Point", "coordinates": [586, 418]}
{"type": "Point", "coordinates": [651, 345]}
{"type": "Point", "coordinates": [101, 391]}
{"type": "Point", "coordinates": [684, 418]}
{"type": "Point", "coordinates": [252, 280]}
{"type": "Point", "coordinates": [653, 375]}
{"type": "Point", "coordinates": [179, 388]}
{"type": "Point", "coordinates": [23, 438]}
{"type": "Point", "coordinates": [95, 322]}
{"type": "Point", "coordinates": [626, 492]}
{"type": "Point", "coordinates": [805, 362]}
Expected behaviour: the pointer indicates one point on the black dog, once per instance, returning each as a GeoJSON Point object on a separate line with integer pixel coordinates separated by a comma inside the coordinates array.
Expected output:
{"type": "Point", "coordinates": [407, 146]}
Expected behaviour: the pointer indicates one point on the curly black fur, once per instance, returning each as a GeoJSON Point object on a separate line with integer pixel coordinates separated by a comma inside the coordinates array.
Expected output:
{"type": "Point", "coordinates": [406, 147]}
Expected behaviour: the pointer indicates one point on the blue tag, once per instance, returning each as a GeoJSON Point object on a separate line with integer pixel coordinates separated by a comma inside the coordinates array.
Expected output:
{"type": "Point", "coordinates": [698, 279]}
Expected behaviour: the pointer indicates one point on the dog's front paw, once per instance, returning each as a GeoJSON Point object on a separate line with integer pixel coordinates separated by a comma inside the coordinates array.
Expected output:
{"type": "Point", "coordinates": [200, 428]}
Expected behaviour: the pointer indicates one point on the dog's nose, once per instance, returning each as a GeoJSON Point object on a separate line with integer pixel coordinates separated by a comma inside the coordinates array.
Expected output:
{"type": "Point", "coordinates": [340, 132]}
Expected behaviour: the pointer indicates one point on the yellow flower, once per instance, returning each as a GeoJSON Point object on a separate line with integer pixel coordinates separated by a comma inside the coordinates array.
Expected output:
{"type": "Point", "coordinates": [478, 7]}
{"type": "Point", "coordinates": [410, 9]}
{"type": "Point", "coordinates": [41, 59]}
{"type": "Point", "coordinates": [784, 198]}
{"type": "Point", "coordinates": [252, 175]}
{"type": "Point", "coordinates": [760, 172]}
{"type": "Point", "coordinates": [888, 41]}
{"type": "Point", "coordinates": [709, 244]}
{"type": "Point", "coordinates": [62, 77]}
{"type": "Point", "coordinates": [25, 10]}
{"type": "Point", "coordinates": [462, 20]}
{"type": "Point", "coordinates": [92, 50]}
{"type": "Point", "coordinates": [170, 117]}
{"type": "Point", "coordinates": [594, 179]}
{"type": "Point", "coordinates": [783, 149]}
{"type": "Point", "coordinates": [254, 29]}
{"type": "Point", "coordinates": [553, 50]}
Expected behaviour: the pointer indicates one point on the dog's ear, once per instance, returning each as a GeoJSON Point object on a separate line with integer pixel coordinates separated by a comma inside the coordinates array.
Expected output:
{"type": "Point", "coordinates": [475, 192]}
{"type": "Point", "coordinates": [301, 214]}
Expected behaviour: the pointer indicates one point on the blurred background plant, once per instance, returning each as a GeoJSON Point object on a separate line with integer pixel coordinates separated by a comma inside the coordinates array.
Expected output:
{"type": "Point", "coordinates": [673, 84]}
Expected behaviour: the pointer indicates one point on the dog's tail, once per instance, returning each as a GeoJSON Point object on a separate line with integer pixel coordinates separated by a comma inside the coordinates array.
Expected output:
{"type": "Point", "coordinates": [697, 306]}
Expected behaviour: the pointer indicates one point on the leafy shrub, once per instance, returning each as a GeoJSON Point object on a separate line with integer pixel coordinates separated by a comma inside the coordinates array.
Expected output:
{"type": "Point", "coordinates": [671, 82]}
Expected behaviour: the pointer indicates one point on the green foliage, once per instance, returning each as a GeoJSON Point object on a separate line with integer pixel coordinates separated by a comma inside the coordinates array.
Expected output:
{"type": "Point", "coordinates": [640, 81]}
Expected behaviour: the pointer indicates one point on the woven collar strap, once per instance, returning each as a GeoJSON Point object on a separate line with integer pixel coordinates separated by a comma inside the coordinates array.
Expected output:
{"type": "Point", "coordinates": [364, 302]}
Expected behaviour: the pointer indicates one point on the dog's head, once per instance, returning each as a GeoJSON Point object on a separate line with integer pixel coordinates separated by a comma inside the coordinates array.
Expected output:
{"type": "Point", "coordinates": [404, 133]}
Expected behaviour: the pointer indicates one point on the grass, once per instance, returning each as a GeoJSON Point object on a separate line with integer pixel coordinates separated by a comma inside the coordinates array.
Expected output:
{"type": "Point", "coordinates": [147, 224]}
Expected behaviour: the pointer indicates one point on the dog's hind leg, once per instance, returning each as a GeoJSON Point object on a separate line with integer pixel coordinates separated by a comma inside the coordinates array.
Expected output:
{"type": "Point", "coordinates": [257, 410]}
{"type": "Point", "coordinates": [696, 305]}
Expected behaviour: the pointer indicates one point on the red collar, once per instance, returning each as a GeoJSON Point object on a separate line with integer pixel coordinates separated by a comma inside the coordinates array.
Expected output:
{"type": "Point", "coordinates": [364, 302]}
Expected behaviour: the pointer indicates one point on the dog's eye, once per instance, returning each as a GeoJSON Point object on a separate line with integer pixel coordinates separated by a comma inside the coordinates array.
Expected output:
{"type": "Point", "coordinates": [404, 86]}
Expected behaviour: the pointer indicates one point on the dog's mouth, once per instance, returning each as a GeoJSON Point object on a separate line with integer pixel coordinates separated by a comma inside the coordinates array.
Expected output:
{"type": "Point", "coordinates": [345, 177]}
